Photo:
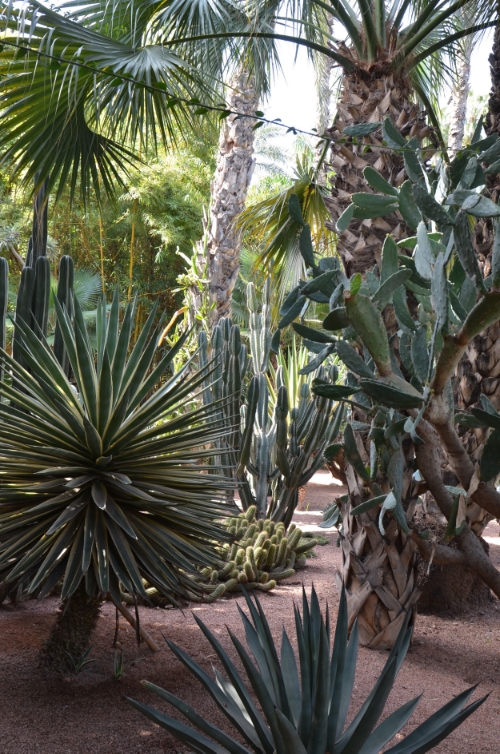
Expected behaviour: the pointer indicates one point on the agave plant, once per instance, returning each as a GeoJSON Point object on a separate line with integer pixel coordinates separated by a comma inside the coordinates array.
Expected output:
{"type": "Point", "coordinates": [101, 484]}
{"type": "Point", "coordinates": [306, 713]}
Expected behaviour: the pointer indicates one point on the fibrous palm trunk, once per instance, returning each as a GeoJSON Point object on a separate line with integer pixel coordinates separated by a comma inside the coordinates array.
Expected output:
{"type": "Point", "coordinates": [379, 572]}
{"type": "Point", "coordinates": [229, 189]}
{"type": "Point", "coordinates": [369, 97]}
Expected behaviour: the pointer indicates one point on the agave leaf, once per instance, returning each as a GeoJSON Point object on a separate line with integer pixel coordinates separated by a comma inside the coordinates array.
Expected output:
{"type": "Point", "coordinates": [261, 692]}
{"type": "Point", "coordinates": [290, 677]}
{"type": "Point", "coordinates": [424, 734]}
{"type": "Point", "coordinates": [289, 736]}
{"type": "Point", "coordinates": [234, 712]}
{"type": "Point", "coordinates": [228, 743]}
{"type": "Point", "coordinates": [88, 536]}
{"type": "Point", "coordinates": [261, 729]}
{"type": "Point", "coordinates": [180, 731]}
{"type": "Point", "coordinates": [122, 346]}
{"type": "Point", "coordinates": [73, 572]}
{"type": "Point", "coordinates": [388, 729]}
{"type": "Point", "coordinates": [101, 553]}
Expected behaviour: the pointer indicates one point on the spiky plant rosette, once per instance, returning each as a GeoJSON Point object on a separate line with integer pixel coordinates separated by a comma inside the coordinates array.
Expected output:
{"type": "Point", "coordinates": [102, 479]}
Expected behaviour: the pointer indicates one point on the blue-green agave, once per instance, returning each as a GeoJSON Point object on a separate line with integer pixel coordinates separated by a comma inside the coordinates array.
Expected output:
{"type": "Point", "coordinates": [301, 710]}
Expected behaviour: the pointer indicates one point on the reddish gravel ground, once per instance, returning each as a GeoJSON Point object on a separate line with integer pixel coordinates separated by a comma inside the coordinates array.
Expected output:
{"type": "Point", "coordinates": [87, 714]}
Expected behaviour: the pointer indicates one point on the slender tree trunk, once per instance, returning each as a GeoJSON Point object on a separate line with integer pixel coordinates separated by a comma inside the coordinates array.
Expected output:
{"type": "Point", "coordinates": [458, 115]}
{"type": "Point", "coordinates": [233, 173]}
{"type": "Point", "coordinates": [368, 97]}
{"type": "Point", "coordinates": [324, 92]}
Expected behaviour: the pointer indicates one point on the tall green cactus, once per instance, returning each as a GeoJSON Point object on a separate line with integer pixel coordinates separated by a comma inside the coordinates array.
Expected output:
{"type": "Point", "coordinates": [33, 296]}
{"type": "Point", "coordinates": [65, 298]}
{"type": "Point", "coordinates": [271, 453]}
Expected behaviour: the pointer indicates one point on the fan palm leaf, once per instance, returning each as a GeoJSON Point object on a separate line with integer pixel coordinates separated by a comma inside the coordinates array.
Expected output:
{"type": "Point", "coordinates": [102, 482]}
{"type": "Point", "coordinates": [120, 71]}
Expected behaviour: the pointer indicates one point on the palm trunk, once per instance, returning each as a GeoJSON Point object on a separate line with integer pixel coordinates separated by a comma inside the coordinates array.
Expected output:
{"type": "Point", "coordinates": [379, 573]}
{"type": "Point", "coordinates": [459, 98]}
{"type": "Point", "coordinates": [233, 173]}
{"type": "Point", "coordinates": [368, 97]}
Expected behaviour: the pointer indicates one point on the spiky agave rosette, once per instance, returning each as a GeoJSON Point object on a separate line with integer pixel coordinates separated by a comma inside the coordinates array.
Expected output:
{"type": "Point", "coordinates": [102, 480]}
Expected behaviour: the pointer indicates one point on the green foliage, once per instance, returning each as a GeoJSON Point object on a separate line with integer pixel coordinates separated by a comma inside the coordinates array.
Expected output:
{"type": "Point", "coordinates": [270, 229]}
{"type": "Point", "coordinates": [304, 712]}
{"type": "Point", "coordinates": [394, 378]}
{"type": "Point", "coordinates": [113, 86]}
{"type": "Point", "coordinates": [162, 207]}
{"type": "Point", "coordinates": [101, 482]}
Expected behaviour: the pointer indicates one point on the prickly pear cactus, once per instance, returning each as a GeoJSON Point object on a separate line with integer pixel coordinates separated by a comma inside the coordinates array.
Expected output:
{"type": "Point", "coordinates": [400, 438]}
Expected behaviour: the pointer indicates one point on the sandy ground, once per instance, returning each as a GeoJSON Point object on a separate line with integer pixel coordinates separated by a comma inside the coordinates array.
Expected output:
{"type": "Point", "coordinates": [88, 713]}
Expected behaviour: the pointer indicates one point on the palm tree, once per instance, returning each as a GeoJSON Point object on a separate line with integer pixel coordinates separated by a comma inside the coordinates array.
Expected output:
{"type": "Point", "coordinates": [396, 57]}
{"type": "Point", "coordinates": [80, 88]}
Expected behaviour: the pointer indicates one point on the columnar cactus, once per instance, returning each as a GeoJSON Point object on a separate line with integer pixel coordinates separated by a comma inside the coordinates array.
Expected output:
{"type": "Point", "coordinates": [33, 296]}
{"type": "Point", "coordinates": [271, 454]}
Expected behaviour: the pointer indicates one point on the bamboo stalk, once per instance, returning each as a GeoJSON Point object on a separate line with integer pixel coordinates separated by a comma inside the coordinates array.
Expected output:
{"type": "Point", "coordinates": [131, 265]}
{"type": "Point", "coordinates": [101, 250]}
{"type": "Point", "coordinates": [171, 323]}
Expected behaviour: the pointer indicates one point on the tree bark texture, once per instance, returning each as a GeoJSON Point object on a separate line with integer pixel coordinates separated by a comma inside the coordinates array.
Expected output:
{"type": "Point", "coordinates": [70, 635]}
{"type": "Point", "coordinates": [379, 571]}
{"type": "Point", "coordinates": [460, 94]}
{"type": "Point", "coordinates": [229, 189]}
{"type": "Point", "coordinates": [368, 97]}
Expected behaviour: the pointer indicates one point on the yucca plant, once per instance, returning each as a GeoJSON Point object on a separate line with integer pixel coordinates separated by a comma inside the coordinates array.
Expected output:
{"type": "Point", "coordinates": [101, 481]}
{"type": "Point", "coordinates": [301, 713]}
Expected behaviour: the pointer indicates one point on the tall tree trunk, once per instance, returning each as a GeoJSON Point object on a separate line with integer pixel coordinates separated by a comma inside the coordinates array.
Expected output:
{"type": "Point", "coordinates": [460, 94]}
{"type": "Point", "coordinates": [379, 572]}
{"type": "Point", "coordinates": [368, 97]}
{"type": "Point", "coordinates": [235, 164]}
{"type": "Point", "coordinates": [323, 68]}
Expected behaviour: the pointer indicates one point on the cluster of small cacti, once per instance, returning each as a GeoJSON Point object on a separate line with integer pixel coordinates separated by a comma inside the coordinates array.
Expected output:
{"type": "Point", "coordinates": [263, 553]}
